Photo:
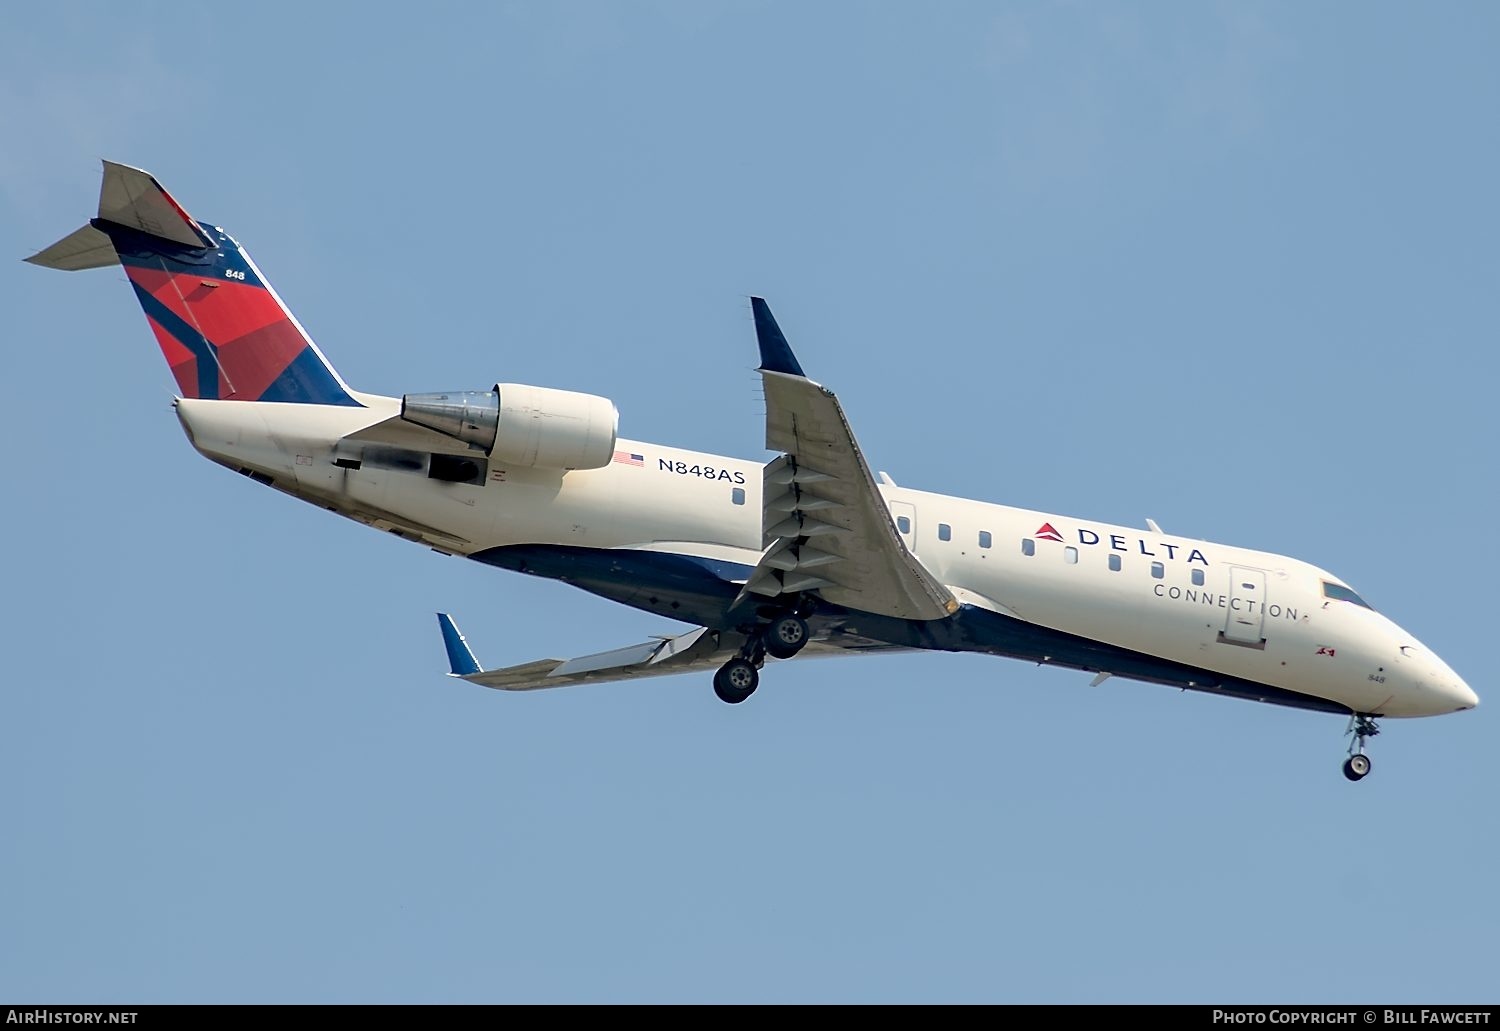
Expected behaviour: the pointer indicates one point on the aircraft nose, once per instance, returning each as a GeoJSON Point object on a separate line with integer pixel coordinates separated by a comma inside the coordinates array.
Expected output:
{"type": "Point", "coordinates": [1444, 688]}
{"type": "Point", "coordinates": [1463, 695]}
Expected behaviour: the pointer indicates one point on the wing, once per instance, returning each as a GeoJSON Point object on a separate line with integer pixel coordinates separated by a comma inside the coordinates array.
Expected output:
{"type": "Point", "coordinates": [699, 650]}
{"type": "Point", "coordinates": [827, 529]}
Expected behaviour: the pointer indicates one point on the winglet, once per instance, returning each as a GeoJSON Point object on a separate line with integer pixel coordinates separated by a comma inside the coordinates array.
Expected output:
{"type": "Point", "coordinates": [775, 353]}
{"type": "Point", "coordinates": [460, 659]}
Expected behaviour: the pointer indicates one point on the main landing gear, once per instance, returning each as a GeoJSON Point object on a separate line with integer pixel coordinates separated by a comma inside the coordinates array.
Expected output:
{"type": "Point", "coordinates": [785, 636]}
{"type": "Point", "coordinates": [1358, 764]}
{"type": "Point", "coordinates": [736, 680]}
{"type": "Point", "coordinates": [782, 638]}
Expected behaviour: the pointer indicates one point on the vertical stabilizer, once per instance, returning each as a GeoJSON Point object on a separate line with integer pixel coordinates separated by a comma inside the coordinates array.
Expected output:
{"type": "Point", "coordinates": [224, 331]}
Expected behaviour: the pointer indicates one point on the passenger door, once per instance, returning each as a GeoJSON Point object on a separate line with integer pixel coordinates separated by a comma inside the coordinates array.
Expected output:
{"type": "Point", "coordinates": [1245, 623]}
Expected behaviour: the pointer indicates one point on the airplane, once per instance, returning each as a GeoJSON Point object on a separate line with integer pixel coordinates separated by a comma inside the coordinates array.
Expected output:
{"type": "Point", "coordinates": [807, 555]}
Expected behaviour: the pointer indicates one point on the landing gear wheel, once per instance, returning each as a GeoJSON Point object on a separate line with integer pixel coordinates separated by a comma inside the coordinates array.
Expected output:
{"type": "Point", "coordinates": [735, 681]}
{"type": "Point", "coordinates": [1362, 727]}
{"type": "Point", "coordinates": [785, 636]}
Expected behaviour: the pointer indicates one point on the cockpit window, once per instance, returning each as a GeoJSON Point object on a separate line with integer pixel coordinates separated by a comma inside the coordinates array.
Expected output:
{"type": "Point", "coordinates": [1338, 592]}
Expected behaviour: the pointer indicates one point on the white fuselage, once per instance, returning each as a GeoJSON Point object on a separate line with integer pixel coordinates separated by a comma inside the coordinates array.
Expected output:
{"type": "Point", "coordinates": [1251, 615]}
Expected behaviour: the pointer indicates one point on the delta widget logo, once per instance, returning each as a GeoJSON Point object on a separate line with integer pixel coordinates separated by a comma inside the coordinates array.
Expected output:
{"type": "Point", "coordinates": [1048, 533]}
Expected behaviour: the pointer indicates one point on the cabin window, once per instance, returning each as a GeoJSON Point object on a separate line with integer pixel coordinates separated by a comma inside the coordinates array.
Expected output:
{"type": "Point", "coordinates": [903, 524]}
{"type": "Point", "coordinates": [1338, 592]}
{"type": "Point", "coordinates": [738, 494]}
{"type": "Point", "coordinates": [1070, 555]}
{"type": "Point", "coordinates": [1197, 578]}
{"type": "Point", "coordinates": [1028, 546]}
{"type": "Point", "coordinates": [945, 532]}
{"type": "Point", "coordinates": [1158, 570]}
{"type": "Point", "coordinates": [1114, 563]}
{"type": "Point", "coordinates": [984, 539]}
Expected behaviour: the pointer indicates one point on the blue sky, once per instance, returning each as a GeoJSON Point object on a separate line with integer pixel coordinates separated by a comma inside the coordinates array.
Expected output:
{"type": "Point", "coordinates": [1228, 266]}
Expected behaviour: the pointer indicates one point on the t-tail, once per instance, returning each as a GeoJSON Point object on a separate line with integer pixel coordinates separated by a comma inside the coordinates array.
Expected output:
{"type": "Point", "coordinates": [224, 331]}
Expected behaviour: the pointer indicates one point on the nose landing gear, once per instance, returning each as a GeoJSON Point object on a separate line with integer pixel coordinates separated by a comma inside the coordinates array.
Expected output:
{"type": "Point", "coordinates": [1358, 764]}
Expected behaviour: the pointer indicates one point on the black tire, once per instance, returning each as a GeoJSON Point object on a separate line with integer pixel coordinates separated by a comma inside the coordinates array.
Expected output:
{"type": "Point", "coordinates": [735, 681]}
{"type": "Point", "coordinates": [785, 636]}
{"type": "Point", "coordinates": [1356, 767]}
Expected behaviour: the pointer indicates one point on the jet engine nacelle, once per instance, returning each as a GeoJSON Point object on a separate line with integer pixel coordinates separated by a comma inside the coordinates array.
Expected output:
{"type": "Point", "coordinates": [523, 426]}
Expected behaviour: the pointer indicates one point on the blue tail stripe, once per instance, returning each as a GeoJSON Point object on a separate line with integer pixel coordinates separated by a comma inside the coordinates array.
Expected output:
{"type": "Point", "coordinates": [308, 381]}
{"type": "Point", "coordinates": [187, 336]}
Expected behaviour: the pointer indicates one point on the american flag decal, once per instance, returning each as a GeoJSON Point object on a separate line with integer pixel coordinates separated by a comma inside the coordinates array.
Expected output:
{"type": "Point", "coordinates": [626, 458]}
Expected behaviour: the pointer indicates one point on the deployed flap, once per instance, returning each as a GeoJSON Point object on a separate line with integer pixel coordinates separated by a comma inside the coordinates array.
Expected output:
{"type": "Point", "coordinates": [827, 529]}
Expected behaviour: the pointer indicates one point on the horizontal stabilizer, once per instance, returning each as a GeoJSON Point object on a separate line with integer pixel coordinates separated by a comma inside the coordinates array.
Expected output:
{"type": "Point", "coordinates": [83, 248]}
{"type": "Point", "coordinates": [127, 197]}
{"type": "Point", "coordinates": [132, 197]}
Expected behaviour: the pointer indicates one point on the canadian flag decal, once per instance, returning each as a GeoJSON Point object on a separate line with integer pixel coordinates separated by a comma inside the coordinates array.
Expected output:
{"type": "Point", "coordinates": [1047, 533]}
